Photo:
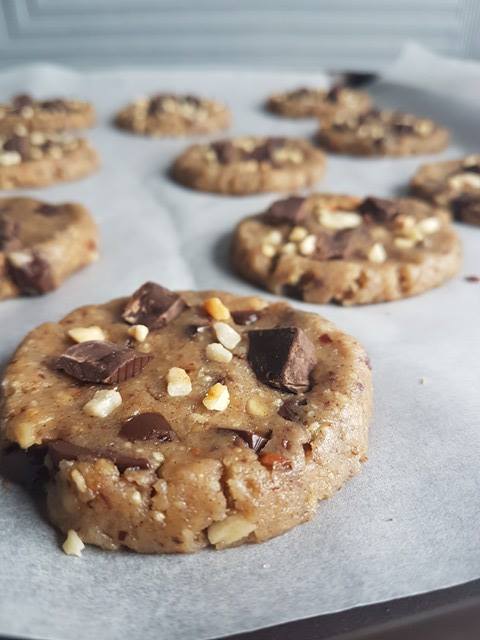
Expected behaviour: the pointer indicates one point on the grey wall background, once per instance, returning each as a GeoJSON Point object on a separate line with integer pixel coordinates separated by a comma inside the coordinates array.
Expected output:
{"type": "Point", "coordinates": [290, 34]}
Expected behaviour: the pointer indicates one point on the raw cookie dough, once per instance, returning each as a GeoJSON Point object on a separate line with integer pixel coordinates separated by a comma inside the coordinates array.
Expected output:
{"type": "Point", "coordinates": [382, 133]}
{"type": "Point", "coordinates": [226, 423]}
{"type": "Point", "coordinates": [306, 102]}
{"type": "Point", "coordinates": [168, 115]}
{"type": "Point", "coordinates": [240, 166]}
{"type": "Point", "coordinates": [454, 184]}
{"type": "Point", "coordinates": [42, 244]}
{"type": "Point", "coordinates": [24, 113]}
{"type": "Point", "coordinates": [39, 159]}
{"type": "Point", "coordinates": [347, 250]}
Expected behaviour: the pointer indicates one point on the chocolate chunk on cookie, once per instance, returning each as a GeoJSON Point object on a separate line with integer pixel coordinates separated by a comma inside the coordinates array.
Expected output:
{"type": "Point", "coordinates": [153, 305]}
{"type": "Point", "coordinates": [307, 102]}
{"type": "Point", "coordinates": [348, 250]}
{"type": "Point", "coordinates": [59, 450]}
{"type": "Point", "coordinates": [290, 210]}
{"type": "Point", "coordinates": [147, 426]}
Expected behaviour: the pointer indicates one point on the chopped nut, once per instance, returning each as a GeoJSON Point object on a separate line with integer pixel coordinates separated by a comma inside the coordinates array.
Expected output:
{"type": "Point", "coordinates": [297, 234]}
{"type": "Point", "coordinates": [73, 546]}
{"type": "Point", "coordinates": [338, 220]}
{"type": "Point", "coordinates": [404, 243]}
{"type": "Point", "coordinates": [268, 250]}
{"type": "Point", "coordinates": [36, 138]}
{"type": "Point", "coordinates": [377, 253]}
{"type": "Point", "coordinates": [289, 249]}
{"type": "Point", "coordinates": [217, 398]}
{"type": "Point", "coordinates": [216, 308]}
{"type": "Point", "coordinates": [430, 225]}
{"type": "Point", "coordinates": [136, 497]}
{"type": "Point", "coordinates": [217, 352]}
{"type": "Point", "coordinates": [158, 516]}
{"type": "Point", "coordinates": [158, 457]}
{"type": "Point", "coordinates": [307, 245]}
{"type": "Point", "coordinates": [257, 407]}
{"type": "Point", "coordinates": [103, 403]}
{"type": "Point", "coordinates": [462, 180]}
{"type": "Point", "coordinates": [226, 335]}
{"type": "Point", "coordinates": [79, 480]}
{"type": "Point", "coordinates": [9, 158]}
{"type": "Point", "coordinates": [139, 332]}
{"type": "Point", "coordinates": [178, 382]}
{"type": "Point", "coordinates": [230, 530]}
{"type": "Point", "coordinates": [274, 237]}
{"type": "Point", "coordinates": [83, 334]}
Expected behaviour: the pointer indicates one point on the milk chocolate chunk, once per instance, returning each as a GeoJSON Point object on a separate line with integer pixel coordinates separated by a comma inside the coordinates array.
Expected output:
{"type": "Point", "coordinates": [264, 151]}
{"type": "Point", "coordinates": [147, 426]}
{"type": "Point", "coordinates": [294, 409]}
{"type": "Point", "coordinates": [378, 209]}
{"type": "Point", "coordinates": [104, 362]}
{"type": "Point", "coordinates": [32, 275]}
{"type": "Point", "coordinates": [153, 306]}
{"type": "Point", "coordinates": [282, 358]}
{"type": "Point", "coordinates": [224, 150]}
{"type": "Point", "coordinates": [62, 450]}
{"type": "Point", "coordinates": [289, 210]}
{"type": "Point", "coordinates": [245, 317]}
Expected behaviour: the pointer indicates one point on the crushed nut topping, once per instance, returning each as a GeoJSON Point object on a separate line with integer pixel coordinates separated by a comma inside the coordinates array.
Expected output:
{"type": "Point", "coordinates": [217, 398]}
{"type": "Point", "coordinates": [216, 309]}
{"type": "Point", "coordinates": [83, 334]}
{"type": "Point", "coordinates": [139, 332]}
{"type": "Point", "coordinates": [178, 382]}
{"type": "Point", "coordinates": [226, 335]}
{"type": "Point", "coordinates": [377, 253]}
{"type": "Point", "coordinates": [217, 353]}
{"type": "Point", "coordinates": [338, 220]}
{"type": "Point", "coordinates": [230, 530]}
{"type": "Point", "coordinates": [73, 545]}
{"type": "Point", "coordinates": [103, 403]}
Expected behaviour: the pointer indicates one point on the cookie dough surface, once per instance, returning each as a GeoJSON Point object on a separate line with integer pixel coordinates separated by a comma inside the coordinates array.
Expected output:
{"type": "Point", "coordinates": [307, 102]}
{"type": "Point", "coordinates": [454, 184]}
{"type": "Point", "coordinates": [161, 442]}
{"type": "Point", "coordinates": [384, 133]}
{"type": "Point", "coordinates": [24, 113]}
{"type": "Point", "coordinates": [240, 166]}
{"type": "Point", "coordinates": [42, 244]}
{"type": "Point", "coordinates": [39, 159]}
{"type": "Point", "coordinates": [347, 250]}
{"type": "Point", "coordinates": [169, 115]}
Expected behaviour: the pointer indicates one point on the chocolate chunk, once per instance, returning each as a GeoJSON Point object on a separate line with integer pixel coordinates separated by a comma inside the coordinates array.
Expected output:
{"type": "Point", "coordinates": [282, 358]}
{"type": "Point", "coordinates": [290, 210]}
{"type": "Point", "coordinates": [471, 166]}
{"type": "Point", "coordinates": [465, 205]}
{"type": "Point", "coordinates": [193, 100]}
{"type": "Point", "coordinates": [24, 466]}
{"type": "Point", "coordinates": [63, 450]}
{"type": "Point", "coordinates": [244, 317]}
{"type": "Point", "coordinates": [254, 440]}
{"type": "Point", "coordinates": [153, 306]}
{"type": "Point", "coordinates": [334, 93]}
{"type": "Point", "coordinates": [20, 144]}
{"type": "Point", "coordinates": [224, 150]}
{"type": "Point", "coordinates": [147, 426]}
{"type": "Point", "coordinates": [9, 229]}
{"type": "Point", "coordinates": [264, 152]}
{"type": "Point", "coordinates": [105, 362]}
{"type": "Point", "coordinates": [32, 276]}
{"type": "Point", "coordinates": [403, 128]}
{"type": "Point", "coordinates": [293, 409]}
{"type": "Point", "coordinates": [378, 209]}
{"type": "Point", "coordinates": [197, 328]}
{"type": "Point", "coordinates": [22, 100]}
{"type": "Point", "coordinates": [335, 247]}
{"type": "Point", "coordinates": [55, 104]}
{"type": "Point", "coordinates": [47, 209]}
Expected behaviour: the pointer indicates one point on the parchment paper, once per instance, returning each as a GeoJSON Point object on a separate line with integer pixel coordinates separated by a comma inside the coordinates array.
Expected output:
{"type": "Point", "coordinates": [408, 524]}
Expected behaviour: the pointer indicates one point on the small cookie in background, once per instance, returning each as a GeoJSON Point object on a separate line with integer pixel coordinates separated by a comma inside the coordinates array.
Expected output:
{"type": "Point", "coordinates": [169, 115]}
{"type": "Point", "coordinates": [453, 184]}
{"type": "Point", "coordinates": [42, 244]}
{"type": "Point", "coordinates": [36, 159]}
{"type": "Point", "coordinates": [224, 421]}
{"type": "Point", "coordinates": [347, 250]}
{"type": "Point", "coordinates": [306, 102]}
{"type": "Point", "coordinates": [55, 114]}
{"type": "Point", "coordinates": [246, 165]}
{"type": "Point", "coordinates": [382, 133]}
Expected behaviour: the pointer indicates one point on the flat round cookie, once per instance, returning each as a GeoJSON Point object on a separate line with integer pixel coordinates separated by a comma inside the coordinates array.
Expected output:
{"type": "Point", "coordinates": [175, 421]}
{"type": "Point", "coordinates": [168, 115]}
{"type": "Point", "coordinates": [306, 102]}
{"type": "Point", "coordinates": [39, 159]}
{"type": "Point", "coordinates": [24, 113]}
{"type": "Point", "coordinates": [454, 184]}
{"type": "Point", "coordinates": [42, 244]}
{"type": "Point", "coordinates": [241, 166]}
{"type": "Point", "coordinates": [347, 250]}
{"type": "Point", "coordinates": [382, 133]}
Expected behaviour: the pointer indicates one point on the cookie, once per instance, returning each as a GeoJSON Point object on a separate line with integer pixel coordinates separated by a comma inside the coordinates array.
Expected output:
{"type": "Point", "coordinates": [454, 184]}
{"type": "Point", "coordinates": [240, 166]}
{"type": "Point", "coordinates": [24, 113]}
{"type": "Point", "coordinates": [172, 421]}
{"type": "Point", "coordinates": [42, 244]}
{"type": "Point", "coordinates": [307, 102]}
{"type": "Point", "coordinates": [347, 250]}
{"type": "Point", "coordinates": [39, 159]}
{"type": "Point", "coordinates": [168, 115]}
{"type": "Point", "coordinates": [382, 133]}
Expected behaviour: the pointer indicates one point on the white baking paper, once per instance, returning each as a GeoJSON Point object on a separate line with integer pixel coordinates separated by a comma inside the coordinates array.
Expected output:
{"type": "Point", "coordinates": [409, 523]}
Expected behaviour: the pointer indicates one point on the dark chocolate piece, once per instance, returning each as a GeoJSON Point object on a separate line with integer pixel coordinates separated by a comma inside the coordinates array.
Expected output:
{"type": "Point", "coordinates": [24, 466]}
{"type": "Point", "coordinates": [244, 317]}
{"type": "Point", "coordinates": [47, 209]}
{"type": "Point", "coordinates": [105, 362]}
{"type": "Point", "coordinates": [334, 92]}
{"type": "Point", "coordinates": [254, 440]}
{"type": "Point", "coordinates": [282, 358]}
{"type": "Point", "coordinates": [197, 328]}
{"type": "Point", "coordinates": [289, 210]}
{"type": "Point", "coordinates": [264, 151]}
{"type": "Point", "coordinates": [20, 144]}
{"type": "Point", "coordinates": [22, 100]}
{"type": "Point", "coordinates": [293, 409]}
{"type": "Point", "coordinates": [465, 205]}
{"type": "Point", "coordinates": [471, 166]}
{"type": "Point", "coordinates": [224, 150]}
{"type": "Point", "coordinates": [153, 306]}
{"type": "Point", "coordinates": [9, 229]}
{"type": "Point", "coordinates": [378, 209]}
{"type": "Point", "coordinates": [147, 426]}
{"type": "Point", "coordinates": [54, 104]}
{"type": "Point", "coordinates": [33, 276]}
{"type": "Point", "coordinates": [63, 450]}
{"type": "Point", "coordinates": [403, 128]}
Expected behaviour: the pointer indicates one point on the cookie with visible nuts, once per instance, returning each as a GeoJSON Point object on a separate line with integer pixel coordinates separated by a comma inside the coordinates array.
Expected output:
{"type": "Point", "coordinates": [382, 133]}
{"type": "Point", "coordinates": [347, 250]}
{"type": "Point", "coordinates": [453, 184]}
{"type": "Point", "coordinates": [38, 159]}
{"type": "Point", "coordinates": [43, 244]}
{"type": "Point", "coordinates": [166, 445]}
{"type": "Point", "coordinates": [240, 166]}
{"type": "Point", "coordinates": [308, 102]}
{"type": "Point", "coordinates": [27, 114]}
{"type": "Point", "coordinates": [173, 115]}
